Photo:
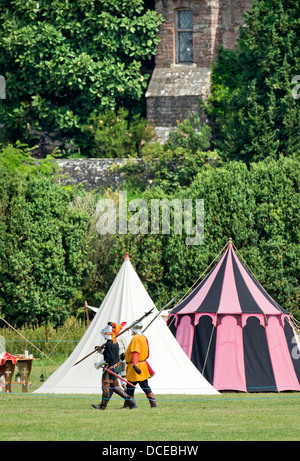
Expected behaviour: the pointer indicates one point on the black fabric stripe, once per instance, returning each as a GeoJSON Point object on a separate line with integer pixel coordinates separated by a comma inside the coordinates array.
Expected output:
{"type": "Point", "coordinates": [192, 294]}
{"type": "Point", "coordinates": [204, 347]}
{"type": "Point", "coordinates": [258, 366]}
{"type": "Point", "coordinates": [172, 325]}
{"type": "Point", "coordinates": [188, 298]}
{"type": "Point", "coordinates": [265, 293]}
{"type": "Point", "coordinates": [247, 302]}
{"type": "Point", "coordinates": [212, 300]}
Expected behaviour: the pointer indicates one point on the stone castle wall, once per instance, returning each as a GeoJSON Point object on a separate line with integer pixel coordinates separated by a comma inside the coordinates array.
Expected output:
{"type": "Point", "coordinates": [93, 173]}
{"type": "Point", "coordinates": [216, 23]}
{"type": "Point", "coordinates": [176, 89]}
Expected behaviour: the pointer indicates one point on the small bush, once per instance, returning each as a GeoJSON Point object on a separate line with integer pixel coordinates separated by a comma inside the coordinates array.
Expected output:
{"type": "Point", "coordinates": [113, 135]}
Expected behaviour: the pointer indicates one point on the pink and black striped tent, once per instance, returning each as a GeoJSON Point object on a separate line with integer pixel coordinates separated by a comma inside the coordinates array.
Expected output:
{"type": "Point", "coordinates": [238, 337]}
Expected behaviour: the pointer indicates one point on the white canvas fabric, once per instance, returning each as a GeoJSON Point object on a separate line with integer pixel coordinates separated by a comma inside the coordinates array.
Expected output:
{"type": "Point", "coordinates": [127, 300]}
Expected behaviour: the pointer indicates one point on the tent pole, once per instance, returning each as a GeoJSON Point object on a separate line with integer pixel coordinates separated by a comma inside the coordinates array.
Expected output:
{"type": "Point", "coordinates": [87, 313]}
{"type": "Point", "coordinates": [208, 349]}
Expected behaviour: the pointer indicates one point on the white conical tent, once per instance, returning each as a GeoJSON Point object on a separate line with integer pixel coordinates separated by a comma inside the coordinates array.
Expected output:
{"type": "Point", "coordinates": [126, 301]}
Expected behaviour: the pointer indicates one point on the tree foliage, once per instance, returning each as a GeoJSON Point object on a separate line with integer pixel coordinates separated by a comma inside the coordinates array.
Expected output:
{"type": "Point", "coordinates": [174, 165]}
{"type": "Point", "coordinates": [43, 249]}
{"type": "Point", "coordinates": [253, 105]}
{"type": "Point", "coordinates": [68, 66]}
{"type": "Point", "coordinates": [257, 207]}
{"type": "Point", "coordinates": [64, 59]}
{"type": "Point", "coordinates": [113, 135]}
{"type": "Point", "coordinates": [19, 158]}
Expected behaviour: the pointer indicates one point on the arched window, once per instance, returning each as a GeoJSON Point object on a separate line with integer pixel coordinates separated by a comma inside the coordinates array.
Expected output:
{"type": "Point", "coordinates": [184, 36]}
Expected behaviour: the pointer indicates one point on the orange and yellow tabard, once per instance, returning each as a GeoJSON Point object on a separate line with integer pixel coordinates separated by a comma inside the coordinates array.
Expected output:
{"type": "Point", "coordinates": [138, 344]}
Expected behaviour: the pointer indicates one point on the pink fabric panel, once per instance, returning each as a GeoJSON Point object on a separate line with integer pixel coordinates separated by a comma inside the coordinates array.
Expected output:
{"type": "Point", "coordinates": [195, 302]}
{"type": "Point", "coordinates": [185, 335]}
{"type": "Point", "coordinates": [260, 299]}
{"type": "Point", "coordinates": [229, 301]}
{"type": "Point", "coordinates": [229, 371]}
{"type": "Point", "coordinates": [283, 368]}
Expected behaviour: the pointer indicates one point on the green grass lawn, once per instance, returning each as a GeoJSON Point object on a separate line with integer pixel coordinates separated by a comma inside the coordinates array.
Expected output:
{"type": "Point", "coordinates": [228, 417]}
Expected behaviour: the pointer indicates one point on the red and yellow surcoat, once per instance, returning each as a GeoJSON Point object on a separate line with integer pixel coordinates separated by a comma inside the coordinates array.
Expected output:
{"type": "Point", "coordinates": [138, 345]}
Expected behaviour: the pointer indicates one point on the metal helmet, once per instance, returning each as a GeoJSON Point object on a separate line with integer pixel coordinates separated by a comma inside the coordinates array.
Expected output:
{"type": "Point", "coordinates": [137, 327]}
{"type": "Point", "coordinates": [107, 332]}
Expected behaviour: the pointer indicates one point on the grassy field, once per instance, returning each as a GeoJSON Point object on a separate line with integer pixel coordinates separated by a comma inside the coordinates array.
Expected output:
{"type": "Point", "coordinates": [228, 417]}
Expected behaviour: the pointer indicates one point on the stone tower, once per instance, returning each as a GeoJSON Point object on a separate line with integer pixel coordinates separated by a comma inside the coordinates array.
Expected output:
{"type": "Point", "coordinates": [191, 35]}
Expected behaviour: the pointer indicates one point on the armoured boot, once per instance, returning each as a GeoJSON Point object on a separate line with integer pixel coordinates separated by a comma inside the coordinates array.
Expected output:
{"type": "Point", "coordinates": [151, 399]}
{"type": "Point", "coordinates": [128, 403]}
{"type": "Point", "coordinates": [106, 395]}
{"type": "Point", "coordinates": [100, 406]}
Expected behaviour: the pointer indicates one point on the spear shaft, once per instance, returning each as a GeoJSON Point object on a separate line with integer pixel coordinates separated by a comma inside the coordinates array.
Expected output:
{"type": "Point", "coordinates": [121, 332]}
{"type": "Point", "coordinates": [95, 350]}
{"type": "Point", "coordinates": [135, 322]}
{"type": "Point", "coordinates": [158, 314]}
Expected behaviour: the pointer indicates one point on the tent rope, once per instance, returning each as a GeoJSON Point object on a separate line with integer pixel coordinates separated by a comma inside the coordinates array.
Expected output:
{"type": "Point", "coordinates": [60, 340]}
{"type": "Point", "coordinates": [295, 323]}
{"type": "Point", "coordinates": [200, 277]}
{"type": "Point", "coordinates": [27, 340]}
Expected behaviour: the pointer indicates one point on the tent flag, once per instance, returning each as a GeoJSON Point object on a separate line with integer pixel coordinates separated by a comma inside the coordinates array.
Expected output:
{"type": "Point", "coordinates": [237, 336]}
{"type": "Point", "coordinates": [126, 301]}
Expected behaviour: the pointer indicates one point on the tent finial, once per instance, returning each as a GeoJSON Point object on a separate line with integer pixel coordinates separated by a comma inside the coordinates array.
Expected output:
{"type": "Point", "coordinates": [127, 256]}
{"type": "Point", "coordinates": [230, 241]}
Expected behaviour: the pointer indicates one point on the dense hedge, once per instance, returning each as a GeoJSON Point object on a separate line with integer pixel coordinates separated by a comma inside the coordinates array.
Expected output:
{"type": "Point", "coordinates": [257, 206]}
{"type": "Point", "coordinates": [254, 104]}
{"type": "Point", "coordinates": [43, 249]}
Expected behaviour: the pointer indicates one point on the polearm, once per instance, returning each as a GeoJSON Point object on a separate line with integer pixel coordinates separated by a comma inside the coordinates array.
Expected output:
{"type": "Point", "coordinates": [121, 332]}
{"type": "Point", "coordinates": [158, 314]}
{"type": "Point", "coordinates": [93, 352]}
{"type": "Point", "coordinates": [135, 322]}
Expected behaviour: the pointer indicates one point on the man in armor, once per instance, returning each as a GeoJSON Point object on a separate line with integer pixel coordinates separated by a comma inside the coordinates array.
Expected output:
{"type": "Point", "coordinates": [110, 382]}
{"type": "Point", "coordinates": [138, 370]}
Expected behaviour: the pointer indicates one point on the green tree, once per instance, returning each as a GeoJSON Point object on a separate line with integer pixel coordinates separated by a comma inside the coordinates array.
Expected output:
{"type": "Point", "coordinates": [175, 164]}
{"type": "Point", "coordinates": [19, 158]}
{"type": "Point", "coordinates": [65, 59]}
{"type": "Point", "coordinates": [112, 134]}
{"type": "Point", "coordinates": [252, 103]}
{"type": "Point", "coordinates": [43, 249]}
{"type": "Point", "coordinates": [258, 206]}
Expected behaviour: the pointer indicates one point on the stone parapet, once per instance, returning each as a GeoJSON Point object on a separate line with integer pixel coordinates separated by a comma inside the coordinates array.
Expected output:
{"type": "Point", "coordinates": [93, 173]}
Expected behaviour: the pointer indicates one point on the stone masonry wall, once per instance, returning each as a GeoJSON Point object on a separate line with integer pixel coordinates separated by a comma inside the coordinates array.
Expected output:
{"type": "Point", "coordinates": [92, 173]}
{"type": "Point", "coordinates": [216, 23]}
{"type": "Point", "coordinates": [176, 89]}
